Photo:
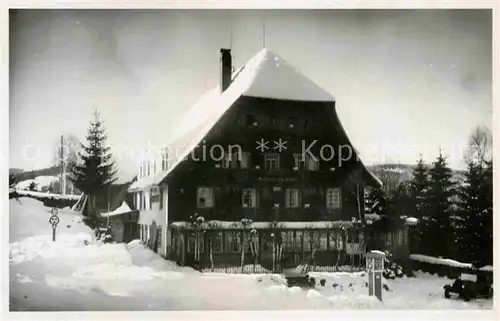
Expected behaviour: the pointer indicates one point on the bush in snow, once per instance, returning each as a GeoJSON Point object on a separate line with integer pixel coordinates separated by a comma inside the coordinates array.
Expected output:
{"type": "Point", "coordinates": [103, 234]}
{"type": "Point", "coordinates": [392, 270]}
{"type": "Point", "coordinates": [312, 282]}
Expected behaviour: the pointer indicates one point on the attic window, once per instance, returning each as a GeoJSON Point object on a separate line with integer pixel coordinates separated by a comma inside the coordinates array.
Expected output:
{"type": "Point", "coordinates": [273, 121]}
{"type": "Point", "coordinates": [250, 120]}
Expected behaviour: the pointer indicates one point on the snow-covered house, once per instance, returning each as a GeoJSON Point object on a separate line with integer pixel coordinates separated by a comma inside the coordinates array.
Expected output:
{"type": "Point", "coordinates": [266, 146]}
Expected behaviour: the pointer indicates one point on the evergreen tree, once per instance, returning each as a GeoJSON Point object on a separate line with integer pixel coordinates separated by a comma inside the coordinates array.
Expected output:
{"type": "Point", "coordinates": [419, 186]}
{"type": "Point", "coordinates": [485, 254]}
{"type": "Point", "coordinates": [94, 169]}
{"type": "Point", "coordinates": [470, 205]}
{"type": "Point", "coordinates": [418, 206]}
{"type": "Point", "coordinates": [439, 236]}
{"type": "Point", "coordinates": [32, 186]}
{"type": "Point", "coordinates": [475, 228]}
{"type": "Point", "coordinates": [375, 201]}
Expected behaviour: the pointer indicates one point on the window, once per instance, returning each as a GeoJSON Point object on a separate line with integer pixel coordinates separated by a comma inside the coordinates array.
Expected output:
{"type": "Point", "coordinates": [151, 199]}
{"type": "Point", "coordinates": [388, 239]}
{"type": "Point", "coordinates": [158, 237]}
{"type": "Point", "coordinates": [250, 119]}
{"type": "Point", "coordinates": [192, 244]}
{"type": "Point", "coordinates": [230, 160]}
{"type": "Point", "coordinates": [216, 242]}
{"type": "Point", "coordinates": [298, 240]}
{"type": "Point", "coordinates": [272, 120]}
{"type": "Point", "coordinates": [297, 161]}
{"type": "Point", "coordinates": [292, 198]}
{"type": "Point", "coordinates": [249, 198]}
{"type": "Point", "coordinates": [233, 242]}
{"type": "Point", "coordinates": [236, 160]}
{"type": "Point", "coordinates": [319, 240]}
{"type": "Point", "coordinates": [311, 164]}
{"type": "Point", "coordinates": [287, 241]}
{"type": "Point", "coordinates": [333, 198]}
{"type": "Point", "coordinates": [292, 122]}
{"type": "Point", "coordinates": [253, 244]}
{"type": "Point", "coordinates": [401, 237]}
{"type": "Point", "coordinates": [336, 240]}
{"type": "Point", "coordinates": [205, 197]}
{"type": "Point", "coordinates": [307, 241]}
{"type": "Point", "coordinates": [245, 160]}
{"type": "Point", "coordinates": [272, 161]}
{"type": "Point", "coordinates": [164, 160]}
{"type": "Point", "coordinates": [149, 167]}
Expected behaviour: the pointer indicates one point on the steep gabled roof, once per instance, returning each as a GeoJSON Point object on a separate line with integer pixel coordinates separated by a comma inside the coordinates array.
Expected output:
{"type": "Point", "coordinates": [266, 75]}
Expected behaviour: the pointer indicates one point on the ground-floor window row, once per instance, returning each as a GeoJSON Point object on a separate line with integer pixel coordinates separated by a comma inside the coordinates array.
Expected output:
{"type": "Point", "coordinates": [291, 241]}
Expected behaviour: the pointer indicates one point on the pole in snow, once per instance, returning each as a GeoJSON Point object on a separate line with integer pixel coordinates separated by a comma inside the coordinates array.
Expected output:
{"type": "Point", "coordinates": [54, 220]}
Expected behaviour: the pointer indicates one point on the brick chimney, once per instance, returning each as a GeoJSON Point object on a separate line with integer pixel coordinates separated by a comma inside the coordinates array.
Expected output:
{"type": "Point", "coordinates": [225, 69]}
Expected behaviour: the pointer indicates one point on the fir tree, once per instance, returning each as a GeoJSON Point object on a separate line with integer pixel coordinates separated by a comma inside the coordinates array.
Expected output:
{"type": "Point", "coordinates": [475, 228]}
{"type": "Point", "coordinates": [485, 253]}
{"type": "Point", "coordinates": [375, 201]}
{"type": "Point", "coordinates": [32, 186]}
{"type": "Point", "coordinates": [470, 205]}
{"type": "Point", "coordinates": [419, 186]}
{"type": "Point", "coordinates": [439, 235]}
{"type": "Point", "coordinates": [418, 206]}
{"type": "Point", "coordinates": [94, 169]}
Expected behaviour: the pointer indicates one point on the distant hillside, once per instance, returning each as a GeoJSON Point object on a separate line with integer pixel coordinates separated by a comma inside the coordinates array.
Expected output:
{"type": "Point", "coordinates": [26, 175]}
{"type": "Point", "coordinates": [15, 171]}
{"type": "Point", "coordinates": [406, 170]}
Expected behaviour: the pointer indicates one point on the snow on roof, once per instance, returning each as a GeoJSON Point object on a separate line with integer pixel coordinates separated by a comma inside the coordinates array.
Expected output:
{"type": "Point", "coordinates": [266, 225]}
{"type": "Point", "coordinates": [411, 221]}
{"type": "Point", "coordinates": [377, 252]}
{"type": "Point", "coordinates": [487, 268]}
{"type": "Point", "coordinates": [148, 181]}
{"type": "Point", "coordinates": [124, 208]}
{"type": "Point", "coordinates": [266, 75]}
{"type": "Point", "coordinates": [440, 261]}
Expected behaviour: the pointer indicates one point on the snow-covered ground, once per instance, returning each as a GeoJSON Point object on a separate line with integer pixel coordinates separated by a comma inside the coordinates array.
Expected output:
{"type": "Point", "coordinates": [78, 273]}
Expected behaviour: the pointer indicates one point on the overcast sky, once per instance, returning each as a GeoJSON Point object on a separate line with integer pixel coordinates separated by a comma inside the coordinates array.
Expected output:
{"type": "Point", "coordinates": [407, 82]}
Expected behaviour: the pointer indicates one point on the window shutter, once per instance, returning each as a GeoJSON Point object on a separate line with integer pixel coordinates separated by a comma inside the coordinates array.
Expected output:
{"type": "Point", "coordinates": [161, 198]}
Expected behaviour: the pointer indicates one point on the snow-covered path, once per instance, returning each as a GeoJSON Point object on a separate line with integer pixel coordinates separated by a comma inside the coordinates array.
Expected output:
{"type": "Point", "coordinates": [78, 273]}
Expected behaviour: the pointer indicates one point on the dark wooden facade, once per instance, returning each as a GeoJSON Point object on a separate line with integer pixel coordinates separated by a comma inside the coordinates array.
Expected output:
{"type": "Point", "coordinates": [247, 122]}
{"type": "Point", "coordinates": [297, 123]}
